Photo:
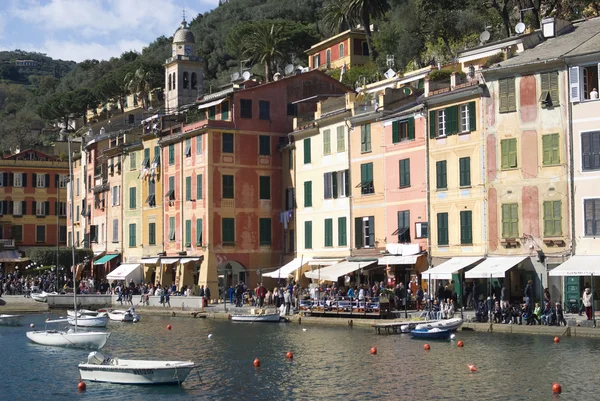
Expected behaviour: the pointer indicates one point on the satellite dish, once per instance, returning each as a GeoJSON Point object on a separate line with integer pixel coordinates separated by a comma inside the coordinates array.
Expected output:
{"type": "Point", "coordinates": [485, 36]}
{"type": "Point", "coordinates": [235, 76]}
{"type": "Point", "coordinates": [289, 69]}
{"type": "Point", "coordinates": [390, 73]}
{"type": "Point", "coordinates": [520, 28]}
{"type": "Point", "coordinates": [246, 75]}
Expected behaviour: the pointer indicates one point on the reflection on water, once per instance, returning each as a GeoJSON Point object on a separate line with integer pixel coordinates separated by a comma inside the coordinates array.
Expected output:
{"type": "Point", "coordinates": [329, 363]}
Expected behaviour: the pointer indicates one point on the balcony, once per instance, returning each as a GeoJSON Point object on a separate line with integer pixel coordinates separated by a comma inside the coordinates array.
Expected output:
{"type": "Point", "coordinates": [365, 106]}
{"type": "Point", "coordinates": [7, 243]}
{"type": "Point", "coordinates": [228, 203]}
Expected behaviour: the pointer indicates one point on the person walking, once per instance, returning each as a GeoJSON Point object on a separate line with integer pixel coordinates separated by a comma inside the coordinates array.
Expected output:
{"type": "Point", "coordinates": [287, 298]}
{"type": "Point", "coordinates": [260, 294]}
{"type": "Point", "coordinates": [587, 303]}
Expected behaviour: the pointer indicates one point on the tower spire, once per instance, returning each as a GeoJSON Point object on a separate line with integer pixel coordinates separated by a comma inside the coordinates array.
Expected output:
{"type": "Point", "coordinates": [183, 14]}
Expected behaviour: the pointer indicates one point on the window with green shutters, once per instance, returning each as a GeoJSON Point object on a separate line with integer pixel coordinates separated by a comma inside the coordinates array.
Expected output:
{"type": "Point", "coordinates": [550, 150]}
{"type": "Point", "coordinates": [188, 188]}
{"type": "Point", "coordinates": [199, 186]}
{"type": "Point", "coordinates": [452, 120]}
{"type": "Point", "coordinates": [132, 161]}
{"type": "Point", "coordinates": [507, 95]}
{"type": "Point", "coordinates": [442, 228]}
{"type": "Point", "coordinates": [157, 155]}
{"type": "Point", "coordinates": [264, 145]}
{"type": "Point", "coordinates": [146, 161]}
{"type": "Point", "coordinates": [403, 130]}
{"type": "Point", "coordinates": [171, 192]}
{"type": "Point", "coordinates": [307, 193]}
{"type": "Point", "coordinates": [365, 138]}
{"type": "Point", "coordinates": [441, 175]}
{"type": "Point", "coordinates": [151, 233]}
{"type": "Point", "coordinates": [171, 154]}
{"type": "Point", "coordinates": [264, 233]}
{"type": "Point", "coordinates": [188, 233]}
{"type": "Point", "coordinates": [306, 150]}
{"type": "Point", "coordinates": [549, 88]}
{"type": "Point", "coordinates": [228, 231]}
{"type": "Point", "coordinates": [132, 235]}
{"type": "Point", "coordinates": [225, 110]}
{"type": "Point", "coordinates": [171, 228]}
{"type": "Point", "coordinates": [366, 179]}
{"type": "Point", "coordinates": [265, 187]}
{"type": "Point", "coordinates": [227, 186]}
{"type": "Point", "coordinates": [465, 171]}
{"type": "Point", "coordinates": [552, 218]}
{"type": "Point", "coordinates": [327, 142]}
{"type": "Point", "coordinates": [308, 235]}
{"type": "Point", "coordinates": [342, 236]}
{"type": "Point", "coordinates": [132, 200]}
{"type": "Point", "coordinates": [508, 153]}
{"type": "Point", "coordinates": [591, 214]}
{"type": "Point", "coordinates": [404, 173]}
{"type": "Point", "coordinates": [510, 220]}
{"type": "Point", "coordinates": [328, 232]}
{"type": "Point", "coordinates": [466, 227]}
{"type": "Point", "coordinates": [212, 112]}
{"type": "Point", "coordinates": [341, 139]}
{"type": "Point", "coordinates": [198, 231]}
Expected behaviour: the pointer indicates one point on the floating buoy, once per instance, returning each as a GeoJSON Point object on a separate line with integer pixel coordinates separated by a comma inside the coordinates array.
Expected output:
{"type": "Point", "coordinates": [81, 386]}
{"type": "Point", "coordinates": [209, 336]}
{"type": "Point", "coordinates": [460, 344]}
{"type": "Point", "coordinates": [168, 327]}
{"type": "Point", "coordinates": [452, 336]}
{"type": "Point", "coordinates": [426, 347]}
{"type": "Point", "coordinates": [32, 325]}
{"type": "Point", "coordinates": [556, 339]}
{"type": "Point", "coordinates": [256, 362]}
{"type": "Point", "coordinates": [472, 368]}
{"type": "Point", "coordinates": [303, 329]}
{"type": "Point", "coordinates": [556, 388]}
{"type": "Point", "coordinates": [289, 355]}
{"type": "Point", "coordinates": [373, 351]}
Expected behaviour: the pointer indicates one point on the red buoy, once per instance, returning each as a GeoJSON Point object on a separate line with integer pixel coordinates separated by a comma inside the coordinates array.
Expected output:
{"type": "Point", "coordinates": [460, 344]}
{"type": "Point", "coordinates": [289, 355]}
{"type": "Point", "coordinates": [81, 386]}
{"type": "Point", "coordinates": [472, 368]}
{"type": "Point", "coordinates": [256, 362]}
{"type": "Point", "coordinates": [168, 327]}
{"type": "Point", "coordinates": [556, 388]}
{"type": "Point", "coordinates": [556, 339]}
{"type": "Point", "coordinates": [373, 351]}
{"type": "Point", "coordinates": [426, 347]}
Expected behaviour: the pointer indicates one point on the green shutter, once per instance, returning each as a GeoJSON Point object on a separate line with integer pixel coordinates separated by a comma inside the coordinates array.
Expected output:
{"type": "Point", "coordinates": [504, 154]}
{"type": "Point", "coordinates": [171, 154]}
{"type": "Point", "coordinates": [511, 96]}
{"type": "Point", "coordinates": [451, 120]}
{"type": "Point", "coordinates": [334, 184]}
{"type": "Point", "coordinates": [265, 187]}
{"type": "Point", "coordinates": [198, 231]}
{"type": "Point", "coordinates": [506, 221]}
{"type": "Point", "coordinates": [328, 232]}
{"type": "Point", "coordinates": [307, 151]}
{"type": "Point", "coordinates": [171, 228]}
{"type": "Point", "coordinates": [472, 117]}
{"type": "Point", "coordinates": [432, 125]}
{"type": "Point", "coordinates": [308, 234]}
{"type": "Point", "coordinates": [441, 174]}
{"type": "Point", "coordinates": [225, 110]}
{"type": "Point", "coordinates": [510, 220]}
{"type": "Point", "coordinates": [512, 153]}
{"type": "Point", "coordinates": [326, 142]}
{"type": "Point", "coordinates": [552, 218]}
{"type": "Point", "coordinates": [411, 128]}
{"type": "Point", "coordinates": [503, 95]}
{"type": "Point", "coordinates": [555, 148]}
{"type": "Point", "coordinates": [265, 232]}
{"type": "Point", "coordinates": [342, 236]}
{"type": "Point", "coordinates": [514, 219]}
{"type": "Point", "coordinates": [132, 161]}
{"type": "Point", "coordinates": [199, 186]}
{"type": "Point", "coordinates": [363, 173]}
{"type": "Point", "coordinates": [152, 233]}
{"type": "Point", "coordinates": [228, 230]}
{"type": "Point", "coordinates": [308, 194]}
{"type": "Point", "coordinates": [372, 231]}
{"type": "Point", "coordinates": [358, 234]}
{"type": "Point", "coordinates": [341, 139]}
{"type": "Point", "coordinates": [465, 171]}
{"type": "Point", "coordinates": [550, 149]}
{"type": "Point", "coordinates": [404, 173]}
{"type": "Point", "coordinates": [442, 229]}
{"type": "Point", "coordinates": [132, 203]}
{"type": "Point", "coordinates": [553, 87]}
{"type": "Point", "coordinates": [466, 227]}
{"type": "Point", "coordinates": [395, 132]}
{"type": "Point", "coordinates": [188, 188]}
{"type": "Point", "coordinates": [147, 155]}
{"type": "Point", "coordinates": [132, 239]}
{"type": "Point", "coordinates": [188, 232]}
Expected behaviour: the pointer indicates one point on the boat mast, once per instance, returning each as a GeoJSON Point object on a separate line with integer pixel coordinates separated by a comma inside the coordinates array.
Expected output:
{"type": "Point", "coordinates": [72, 229]}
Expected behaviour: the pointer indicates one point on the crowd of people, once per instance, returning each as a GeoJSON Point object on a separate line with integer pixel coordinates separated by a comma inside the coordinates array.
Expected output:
{"type": "Point", "coordinates": [19, 284]}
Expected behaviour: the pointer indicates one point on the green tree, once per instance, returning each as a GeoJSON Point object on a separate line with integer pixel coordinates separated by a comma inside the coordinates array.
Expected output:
{"type": "Point", "coordinates": [266, 46]}
{"type": "Point", "coordinates": [139, 83]}
{"type": "Point", "coordinates": [336, 17]}
{"type": "Point", "coordinates": [366, 11]}
{"type": "Point", "coordinates": [20, 130]}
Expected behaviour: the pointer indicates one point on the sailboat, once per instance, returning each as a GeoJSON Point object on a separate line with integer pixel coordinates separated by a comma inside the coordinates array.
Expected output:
{"type": "Point", "coordinates": [72, 337]}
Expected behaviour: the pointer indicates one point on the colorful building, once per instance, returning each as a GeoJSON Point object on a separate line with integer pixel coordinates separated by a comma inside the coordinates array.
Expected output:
{"type": "Point", "coordinates": [348, 48]}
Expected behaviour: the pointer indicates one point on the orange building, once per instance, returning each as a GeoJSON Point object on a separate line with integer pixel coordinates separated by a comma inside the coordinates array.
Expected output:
{"type": "Point", "coordinates": [348, 48]}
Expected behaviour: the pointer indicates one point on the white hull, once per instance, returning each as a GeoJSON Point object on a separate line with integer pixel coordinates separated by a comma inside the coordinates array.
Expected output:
{"type": "Point", "coordinates": [89, 321]}
{"type": "Point", "coordinates": [449, 324]}
{"type": "Point", "coordinates": [41, 297]}
{"type": "Point", "coordinates": [10, 320]}
{"type": "Point", "coordinates": [76, 339]}
{"type": "Point", "coordinates": [81, 312]}
{"type": "Point", "coordinates": [272, 317]}
{"type": "Point", "coordinates": [123, 316]}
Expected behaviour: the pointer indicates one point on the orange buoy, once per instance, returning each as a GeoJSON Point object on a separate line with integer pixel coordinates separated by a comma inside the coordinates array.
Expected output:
{"type": "Point", "coordinates": [426, 347]}
{"type": "Point", "coordinates": [81, 386]}
{"type": "Point", "coordinates": [472, 368]}
{"type": "Point", "coordinates": [289, 355]}
{"type": "Point", "coordinates": [168, 327]}
{"type": "Point", "coordinates": [256, 362]}
{"type": "Point", "coordinates": [373, 351]}
{"type": "Point", "coordinates": [556, 339]}
{"type": "Point", "coordinates": [460, 344]}
{"type": "Point", "coordinates": [556, 388]}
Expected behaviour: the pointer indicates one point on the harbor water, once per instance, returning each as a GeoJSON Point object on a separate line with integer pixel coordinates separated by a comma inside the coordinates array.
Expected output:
{"type": "Point", "coordinates": [329, 363]}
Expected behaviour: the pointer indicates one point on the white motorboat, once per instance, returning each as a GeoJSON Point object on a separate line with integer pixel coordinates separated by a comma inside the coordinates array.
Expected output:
{"type": "Point", "coordinates": [132, 371]}
{"type": "Point", "coordinates": [447, 324]}
{"type": "Point", "coordinates": [119, 315]}
{"type": "Point", "coordinates": [10, 320]}
{"type": "Point", "coordinates": [89, 321]}
{"type": "Point", "coordinates": [270, 317]}
{"type": "Point", "coordinates": [87, 312]}
{"type": "Point", "coordinates": [42, 296]}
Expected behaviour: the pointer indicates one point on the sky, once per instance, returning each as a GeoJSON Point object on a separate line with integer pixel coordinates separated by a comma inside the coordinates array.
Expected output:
{"type": "Point", "coordinates": [91, 29]}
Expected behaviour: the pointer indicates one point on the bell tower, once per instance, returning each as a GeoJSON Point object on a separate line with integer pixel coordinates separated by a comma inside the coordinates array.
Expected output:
{"type": "Point", "coordinates": [184, 70]}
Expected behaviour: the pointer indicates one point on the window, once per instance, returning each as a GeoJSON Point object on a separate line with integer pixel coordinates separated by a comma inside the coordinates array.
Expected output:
{"type": "Point", "coordinates": [41, 208]}
{"type": "Point", "coordinates": [365, 138]}
{"type": "Point", "coordinates": [151, 233]}
{"type": "Point", "coordinates": [341, 50]}
{"type": "Point", "coordinates": [198, 231]}
{"type": "Point", "coordinates": [441, 176]}
{"type": "Point", "coordinates": [194, 81]}
{"type": "Point", "coordinates": [132, 239]}
{"type": "Point", "coordinates": [227, 143]}
{"type": "Point", "coordinates": [264, 232]}
{"type": "Point", "coordinates": [466, 227]}
{"type": "Point", "coordinates": [186, 79]}
{"type": "Point", "coordinates": [366, 179]}
{"type": "Point", "coordinates": [264, 110]}
{"type": "Point", "coordinates": [508, 152]}
{"type": "Point", "coordinates": [306, 150]}
{"type": "Point", "coordinates": [115, 231]}
{"type": "Point", "coordinates": [290, 198]}
{"type": "Point", "coordinates": [188, 233]}
{"type": "Point", "coordinates": [199, 145]}
{"type": "Point", "coordinates": [62, 234]}
{"type": "Point", "coordinates": [227, 181]}
{"type": "Point", "coordinates": [552, 218]}
{"type": "Point", "coordinates": [171, 228]}
{"type": "Point", "coordinates": [464, 164]}
{"type": "Point", "coordinates": [40, 233]}
{"type": "Point", "coordinates": [591, 212]}
{"type": "Point", "coordinates": [550, 150]}
{"type": "Point", "coordinates": [62, 209]}
{"type": "Point", "coordinates": [327, 142]}
{"type": "Point", "coordinates": [468, 119]}
{"type": "Point", "coordinates": [341, 139]}
{"type": "Point", "coordinates": [308, 235]}
{"type": "Point", "coordinates": [151, 199]}
{"type": "Point", "coordinates": [188, 148]}
{"type": "Point", "coordinates": [265, 187]}
{"type": "Point", "coordinates": [132, 197]}
{"type": "Point", "coordinates": [328, 232]}
{"type": "Point", "coordinates": [171, 154]}
{"type": "Point", "coordinates": [156, 155]}
{"type": "Point", "coordinates": [292, 239]}
{"type": "Point", "coordinates": [228, 231]}
{"type": "Point", "coordinates": [93, 235]}
{"type": "Point", "coordinates": [245, 108]}
{"type": "Point", "coordinates": [17, 232]}
{"type": "Point", "coordinates": [18, 180]}
{"type": "Point", "coordinates": [308, 194]}
{"type": "Point", "coordinates": [549, 89]}
{"type": "Point", "coordinates": [199, 186]}
{"type": "Point", "coordinates": [441, 123]}
{"type": "Point", "coordinates": [421, 230]}
{"type": "Point", "coordinates": [510, 220]}
{"type": "Point", "coordinates": [364, 232]}
{"type": "Point", "coordinates": [264, 145]}
{"type": "Point", "coordinates": [328, 185]}
{"type": "Point", "coordinates": [342, 236]}
{"type": "Point", "coordinates": [212, 112]}
{"type": "Point", "coordinates": [171, 191]}
{"type": "Point", "coordinates": [290, 159]}
{"type": "Point", "coordinates": [442, 229]}
{"type": "Point", "coordinates": [507, 95]}
{"type": "Point", "coordinates": [188, 188]}
{"type": "Point", "coordinates": [77, 186]}
{"type": "Point", "coordinates": [404, 173]}
{"type": "Point", "coordinates": [590, 150]}
{"type": "Point", "coordinates": [225, 110]}
{"type": "Point", "coordinates": [292, 109]}
{"type": "Point", "coordinates": [40, 181]}
{"type": "Point", "coordinates": [316, 60]}
{"type": "Point", "coordinates": [62, 181]}
{"type": "Point", "coordinates": [365, 48]}
{"type": "Point", "coordinates": [116, 195]}
{"type": "Point", "coordinates": [169, 82]}
{"type": "Point", "coordinates": [404, 227]}
{"type": "Point", "coordinates": [403, 130]}
{"type": "Point", "coordinates": [77, 214]}
{"type": "Point", "coordinates": [336, 184]}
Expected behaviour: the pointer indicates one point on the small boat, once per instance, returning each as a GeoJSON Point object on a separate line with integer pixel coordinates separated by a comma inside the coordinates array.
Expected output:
{"type": "Point", "coordinates": [87, 312]}
{"type": "Point", "coordinates": [448, 324]}
{"type": "Point", "coordinates": [432, 334]}
{"type": "Point", "coordinates": [10, 320]}
{"type": "Point", "coordinates": [119, 315]}
{"type": "Point", "coordinates": [133, 371]}
{"type": "Point", "coordinates": [69, 338]}
{"type": "Point", "coordinates": [271, 317]}
{"type": "Point", "coordinates": [89, 321]}
{"type": "Point", "coordinates": [42, 296]}
{"type": "Point", "coordinates": [407, 328]}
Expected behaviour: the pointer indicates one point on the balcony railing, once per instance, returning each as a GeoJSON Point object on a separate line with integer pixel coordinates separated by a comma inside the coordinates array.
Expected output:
{"type": "Point", "coordinates": [7, 243]}
{"type": "Point", "coordinates": [366, 106]}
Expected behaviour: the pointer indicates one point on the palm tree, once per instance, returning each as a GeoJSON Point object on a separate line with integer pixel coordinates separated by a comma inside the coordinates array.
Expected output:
{"type": "Point", "coordinates": [336, 17]}
{"type": "Point", "coordinates": [365, 10]}
{"type": "Point", "coordinates": [266, 45]}
{"type": "Point", "coordinates": [138, 83]}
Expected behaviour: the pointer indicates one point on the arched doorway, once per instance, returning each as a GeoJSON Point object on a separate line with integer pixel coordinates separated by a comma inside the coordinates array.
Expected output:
{"type": "Point", "coordinates": [230, 273]}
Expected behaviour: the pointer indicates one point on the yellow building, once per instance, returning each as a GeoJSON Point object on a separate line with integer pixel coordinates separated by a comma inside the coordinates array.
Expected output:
{"type": "Point", "coordinates": [348, 48]}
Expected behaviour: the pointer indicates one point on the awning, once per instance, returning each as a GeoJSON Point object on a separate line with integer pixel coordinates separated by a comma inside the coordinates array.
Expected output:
{"type": "Point", "coordinates": [289, 268]}
{"type": "Point", "coordinates": [146, 120]}
{"type": "Point", "coordinates": [168, 261]}
{"type": "Point", "coordinates": [150, 261]}
{"type": "Point", "coordinates": [398, 260]}
{"type": "Point", "coordinates": [494, 267]}
{"type": "Point", "coordinates": [126, 272]}
{"type": "Point", "coordinates": [578, 265]}
{"type": "Point", "coordinates": [324, 262]}
{"type": "Point", "coordinates": [450, 267]}
{"type": "Point", "coordinates": [188, 260]}
{"type": "Point", "coordinates": [210, 104]}
{"type": "Point", "coordinates": [332, 273]}
{"type": "Point", "coordinates": [11, 255]}
{"type": "Point", "coordinates": [105, 258]}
